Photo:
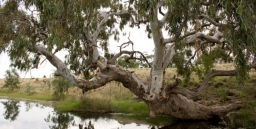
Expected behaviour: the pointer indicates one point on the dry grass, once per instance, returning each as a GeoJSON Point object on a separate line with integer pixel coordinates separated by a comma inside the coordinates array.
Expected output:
{"type": "Point", "coordinates": [114, 96]}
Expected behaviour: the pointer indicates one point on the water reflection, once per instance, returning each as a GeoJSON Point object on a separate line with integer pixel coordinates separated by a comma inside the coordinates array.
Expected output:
{"type": "Point", "coordinates": [60, 120]}
{"type": "Point", "coordinates": [29, 115]}
{"type": "Point", "coordinates": [11, 110]}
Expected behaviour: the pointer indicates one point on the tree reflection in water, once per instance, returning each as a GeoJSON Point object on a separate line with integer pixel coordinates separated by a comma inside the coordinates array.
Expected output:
{"type": "Point", "coordinates": [29, 105]}
{"type": "Point", "coordinates": [11, 109]}
{"type": "Point", "coordinates": [60, 120]}
{"type": "Point", "coordinates": [64, 120]}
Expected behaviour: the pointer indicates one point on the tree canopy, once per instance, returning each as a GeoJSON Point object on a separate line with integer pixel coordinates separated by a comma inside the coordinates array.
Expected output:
{"type": "Point", "coordinates": [187, 33]}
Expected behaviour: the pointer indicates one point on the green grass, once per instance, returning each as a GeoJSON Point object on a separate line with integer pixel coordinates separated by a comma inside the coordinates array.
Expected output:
{"type": "Point", "coordinates": [22, 95]}
{"type": "Point", "coordinates": [133, 107]}
{"type": "Point", "coordinates": [246, 119]}
{"type": "Point", "coordinates": [68, 104]}
{"type": "Point", "coordinates": [118, 106]}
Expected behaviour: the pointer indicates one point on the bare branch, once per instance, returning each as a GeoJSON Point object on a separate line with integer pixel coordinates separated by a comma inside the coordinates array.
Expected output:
{"type": "Point", "coordinates": [192, 57]}
{"type": "Point", "coordinates": [124, 45]}
{"type": "Point", "coordinates": [113, 59]}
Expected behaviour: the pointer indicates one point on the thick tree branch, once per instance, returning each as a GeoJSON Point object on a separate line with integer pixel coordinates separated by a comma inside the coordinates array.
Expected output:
{"type": "Point", "coordinates": [55, 61]}
{"type": "Point", "coordinates": [66, 73]}
{"type": "Point", "coordinates": [203, 85]}
{"type": "Point", "coordinates": [173, 39]}
{"type": "Point", "coordinates": [210, 39]}
{"type": "Point", "coordinates": [212, 21]}
{"type": "Point", "coordinates": [168, 55]}
{"type": "Point", "coordinates": [165, 16]}
{"type": "Point", "coordinates": [111, 73]}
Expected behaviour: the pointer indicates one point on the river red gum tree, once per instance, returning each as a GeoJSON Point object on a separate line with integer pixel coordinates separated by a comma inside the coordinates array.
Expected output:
{"type": "Point", "coordinates": [197, 31]}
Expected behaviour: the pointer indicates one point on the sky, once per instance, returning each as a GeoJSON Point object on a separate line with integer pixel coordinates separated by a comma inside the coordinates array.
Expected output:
{"type": "Point", "coordinates": [138, 36]}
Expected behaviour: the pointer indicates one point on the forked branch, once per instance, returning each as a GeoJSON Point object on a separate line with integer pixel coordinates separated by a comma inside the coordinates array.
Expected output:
{"type": "Point", "coordinates": [174, 39]}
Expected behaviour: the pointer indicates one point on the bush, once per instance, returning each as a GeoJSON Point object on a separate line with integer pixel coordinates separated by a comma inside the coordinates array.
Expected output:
{"type": "Point", "coordinates": [11, 80]}
{"type": "Point", "coordinates": [60, 86]}
{"type": "Point", "coordinates": [29, 90]}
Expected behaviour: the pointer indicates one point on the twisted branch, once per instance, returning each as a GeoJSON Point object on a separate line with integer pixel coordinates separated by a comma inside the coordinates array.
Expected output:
{"type": "Point", "coordinates": [203, 85]}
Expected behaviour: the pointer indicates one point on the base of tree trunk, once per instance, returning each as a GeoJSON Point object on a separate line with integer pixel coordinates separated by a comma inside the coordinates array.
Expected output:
{"type": "Point", "coordinates": [183, 108]}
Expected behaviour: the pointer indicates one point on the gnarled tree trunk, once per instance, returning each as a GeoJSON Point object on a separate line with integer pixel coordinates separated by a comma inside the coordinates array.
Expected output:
{"type": "Point", "coordinates": [169, 101]}
{"type": "Point", "coordinates": [161, 98]}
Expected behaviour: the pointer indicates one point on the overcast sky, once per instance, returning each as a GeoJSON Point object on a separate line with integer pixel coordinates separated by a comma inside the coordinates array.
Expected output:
{"type": "Point", "coordinates": [138, 36]}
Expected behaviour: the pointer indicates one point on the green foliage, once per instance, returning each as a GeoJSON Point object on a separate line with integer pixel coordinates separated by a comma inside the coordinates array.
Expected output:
{"type": "Point", "coordinates": [60, 86]}
{"type": "Point", "coordinates": [132, 63]}
{"type": "Point", "coordinates": [66, 22]}
{"type": "Point", "coordinates": [11, 79]}
{"type": "Point", "coordinates": [182, 69]}
{"type": "Point", "coordinates": [203, 65]}
{"type": "Point", "coordinates": [246, 119]}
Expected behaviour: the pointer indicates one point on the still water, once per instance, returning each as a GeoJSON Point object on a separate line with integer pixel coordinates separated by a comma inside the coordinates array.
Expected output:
{"type": "Point", "coordinates": [30, 115]}
{"type": "Point", "coordinates": [40, 115]}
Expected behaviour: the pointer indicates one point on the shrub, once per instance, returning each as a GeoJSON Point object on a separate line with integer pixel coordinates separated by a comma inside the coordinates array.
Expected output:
{"type": "Point", "coordinates": [11, 80]}
{"type": "Point", "coordinates": [29, 90]}
{"type": "Point", "coordinates": [60, 86]}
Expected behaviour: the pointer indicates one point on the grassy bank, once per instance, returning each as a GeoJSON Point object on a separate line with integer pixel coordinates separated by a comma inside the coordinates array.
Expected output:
{"type": "Point", "coordinates": [17, 95]}
{"type": "Point", "coordinates": [115, 98]}
{"type": "Point", "coordinates": [111, 98]}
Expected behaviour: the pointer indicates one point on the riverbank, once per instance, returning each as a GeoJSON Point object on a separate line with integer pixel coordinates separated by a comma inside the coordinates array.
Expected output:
{"type": "Point", "coordinates": [130, 109]}
{"type": "Point", "coordinates": [115, 98]}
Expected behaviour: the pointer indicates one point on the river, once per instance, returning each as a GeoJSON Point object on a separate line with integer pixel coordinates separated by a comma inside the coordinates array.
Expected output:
{"type": "Point", "coordinates": [15, 114]}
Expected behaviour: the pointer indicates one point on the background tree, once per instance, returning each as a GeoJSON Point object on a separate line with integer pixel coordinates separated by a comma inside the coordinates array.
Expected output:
{"type": "Point", "coordinates": [11, 79]}
{"type": "Point", "coordinates": [182, 32]}
{"type": "Point", "coordinates": [126, 63]}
